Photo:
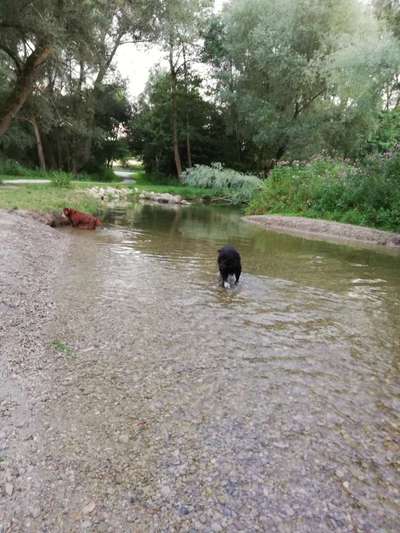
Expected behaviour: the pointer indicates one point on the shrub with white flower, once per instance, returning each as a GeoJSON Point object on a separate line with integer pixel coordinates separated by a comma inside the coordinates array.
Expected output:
{"type": "Point", "coordinates": [238, 187]}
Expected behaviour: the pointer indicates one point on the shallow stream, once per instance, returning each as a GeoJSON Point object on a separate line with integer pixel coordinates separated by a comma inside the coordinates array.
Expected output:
{"type": "Point", "coordinates": [272, 406]}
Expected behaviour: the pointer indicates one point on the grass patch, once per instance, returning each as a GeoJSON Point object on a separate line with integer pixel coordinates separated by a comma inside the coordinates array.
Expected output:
{"type": "Point", "coordinates": [46, 198]}
{"type": "Point", "coordinates": [36, 176]}
{"type": "Point", "coordinates": [146, 182]}
{"type": "Point", "coordinates": [12, 171]}
{"type": "Point", "coordinates": [61, 347]}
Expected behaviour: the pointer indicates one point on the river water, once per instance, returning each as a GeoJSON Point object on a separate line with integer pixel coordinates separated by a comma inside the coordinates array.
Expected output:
{"type": "Point", "coordinates": [271, 406]}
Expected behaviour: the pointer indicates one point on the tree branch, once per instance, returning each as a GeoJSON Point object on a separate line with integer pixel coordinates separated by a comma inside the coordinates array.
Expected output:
{"type": "Point", "coordinates": [13, 56]}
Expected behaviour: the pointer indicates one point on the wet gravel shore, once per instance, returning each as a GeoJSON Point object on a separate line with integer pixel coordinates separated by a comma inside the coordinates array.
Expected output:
{"type": "Point", "coordinates": [30, 254]}
{"type": "Point", "coordinates": [326, 230]}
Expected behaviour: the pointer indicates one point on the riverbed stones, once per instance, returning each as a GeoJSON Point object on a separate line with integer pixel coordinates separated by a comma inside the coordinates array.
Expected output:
{"type": "Point", "coordinates": [9, 489]}
{"type": "Point", "coordinates": [110, 195]}
{"type": "Point", "coordinates": [89, 508]}
{"type": "Point", "coordinates": [162, 198]}
{"type": "Point", "coordinates": [113, 196]}
{"type": "Point", "coordinates": [124, 438]}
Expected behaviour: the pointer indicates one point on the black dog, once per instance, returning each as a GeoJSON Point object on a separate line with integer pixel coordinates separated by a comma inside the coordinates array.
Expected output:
{"type": "Point", "coordinates": [229, 263]}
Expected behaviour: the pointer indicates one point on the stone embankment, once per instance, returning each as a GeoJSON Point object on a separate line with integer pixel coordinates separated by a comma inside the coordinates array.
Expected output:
{"type": "Point", "coordinates": [110, 195]}
{"type": "Point", "coordinates": [113, 196]}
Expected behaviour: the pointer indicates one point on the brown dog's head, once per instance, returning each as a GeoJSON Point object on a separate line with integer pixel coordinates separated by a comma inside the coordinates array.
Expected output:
{"type": "Point", "coordinates": [67, 211]}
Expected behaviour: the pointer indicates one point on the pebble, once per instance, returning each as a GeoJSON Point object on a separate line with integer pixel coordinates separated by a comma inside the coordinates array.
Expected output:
{"type": "Point", "coordinates": [89, 508]}
{"type": "Point", "coordinates": [35, 512]}
{"type": "Point", "coordinates": [9, 488]}
{"type": "Point", "coordinates": [165, 491]}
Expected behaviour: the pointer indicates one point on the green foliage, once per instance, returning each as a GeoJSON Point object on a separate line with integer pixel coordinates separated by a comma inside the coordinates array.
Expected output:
{"type": "Point", "coordinates": [334, 190]}
{"type": "Point", "coordinates": [81, 108]}
{"type": "Point", "coordinates": [150, 135]}
{"type": "Point", "coordinates": [46, 198]}
{"type": "Point", "coordinates": [61, 347]}
{"type": "Point", "coordinates": [10, 167]}
{"type": "Point", "coordinates": [386, 137]}
{"type": "Point", "coordinates": [170, 184]}
{"type": "Point", "coordinates": [291, 71]}
{"type": "Point", "coordinates": [389, 11]}
{"type": "Point", "coordinates": [106, 175]}
{"type": "Point", "coordinates": [60, 179]}
{"type": "Point", "coordinates": [100, 174]}
{"type": "Point", "coordinates": [240, 188]}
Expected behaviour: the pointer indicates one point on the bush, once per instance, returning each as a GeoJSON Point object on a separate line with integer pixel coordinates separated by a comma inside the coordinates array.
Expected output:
{"type": "Point", "coordinates": [10, 167]}
{"type": "Point", "coordinates": [60, 179]}
{"type": "Point", "coordinates": [106, 174]}
{"type": "Point", "coordinates": [334, 190]}
{"type": "Point", "coordinates": [239, 188]}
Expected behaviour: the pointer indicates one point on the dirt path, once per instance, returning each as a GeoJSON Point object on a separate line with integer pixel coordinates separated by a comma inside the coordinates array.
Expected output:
{"type": "Point", "coordinates": [326, 230]}
{"type": "Point", "coordinates": [22, 181]}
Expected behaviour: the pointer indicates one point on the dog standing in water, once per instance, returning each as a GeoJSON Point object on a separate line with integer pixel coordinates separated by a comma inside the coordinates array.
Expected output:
{"type": "Point", "coordinates": [229, 264]}
{"type": "Point", "coordinates": [81, 220]}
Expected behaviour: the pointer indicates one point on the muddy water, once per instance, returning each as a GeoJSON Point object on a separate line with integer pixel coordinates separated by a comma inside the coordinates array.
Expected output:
{"type": "Point", "coordinates": [273, 406]}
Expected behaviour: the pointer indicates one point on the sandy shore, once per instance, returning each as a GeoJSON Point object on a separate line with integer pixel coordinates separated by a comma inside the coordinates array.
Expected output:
{"type": "Point", "coordinates": [326, 230]}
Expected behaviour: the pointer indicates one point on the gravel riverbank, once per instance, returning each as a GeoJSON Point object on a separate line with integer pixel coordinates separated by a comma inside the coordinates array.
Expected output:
{"type": "Point", "coordinates": [326, 230]}
{"type": "Point", "coordinates": [30, 255]}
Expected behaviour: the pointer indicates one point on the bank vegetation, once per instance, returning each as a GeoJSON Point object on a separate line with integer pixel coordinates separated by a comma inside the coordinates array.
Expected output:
{"type": "Point", "coordinates": [285, 106]}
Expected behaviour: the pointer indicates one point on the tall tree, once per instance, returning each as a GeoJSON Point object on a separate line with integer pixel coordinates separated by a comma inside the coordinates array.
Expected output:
{"type": "Point", "coordinates": [120, 22]}
{"type": "Point", "coordinates": [180, 24]}
{"type": "Point", "coordinates": [290, 67]}
{"type": "Point", "coordinates": [389, 10]}
{"type": "Point", "coordinates": [30, 34]}
{"type": "Point", "coordinates": [150, 130]}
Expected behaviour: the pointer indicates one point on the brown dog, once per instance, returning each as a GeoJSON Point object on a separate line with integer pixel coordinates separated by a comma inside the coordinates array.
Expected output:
{"type": "Point", "coordinates": [81, 220]}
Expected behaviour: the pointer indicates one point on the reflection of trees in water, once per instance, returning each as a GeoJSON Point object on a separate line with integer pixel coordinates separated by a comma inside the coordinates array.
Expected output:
{"type": "Point", "coordinates": [121, 215]}
{"type": "Point", "coordinates": [199, 230]}
{"type": "Point", "coordinates": [216, 227]}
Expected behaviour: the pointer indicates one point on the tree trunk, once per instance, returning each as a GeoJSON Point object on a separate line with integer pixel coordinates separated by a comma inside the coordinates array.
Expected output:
{"type": "Point", "coordinates": [268, 165]}
{"type": "Point", "coordinates": [60, 161]}
{"type": "Point", "coordinates": [39, 144]}
{"type": "Point", "coordinates": [188, 147]}
{"type": "Point", "coordinates": [174, 118]}
{"type": "Point", "coordinates": [23, 86]}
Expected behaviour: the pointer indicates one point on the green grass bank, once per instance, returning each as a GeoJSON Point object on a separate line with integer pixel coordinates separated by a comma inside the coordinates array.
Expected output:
{"type": "Point", "coordinates": [366, 195]}
{"type": "Point", "coordinates": [64, 191]}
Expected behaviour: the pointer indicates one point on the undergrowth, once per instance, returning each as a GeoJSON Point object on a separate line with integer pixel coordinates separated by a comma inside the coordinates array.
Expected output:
{"type": "Point", "coordinates": [335, 191]}
{"type": "Point", "coordinates": [238, 188]}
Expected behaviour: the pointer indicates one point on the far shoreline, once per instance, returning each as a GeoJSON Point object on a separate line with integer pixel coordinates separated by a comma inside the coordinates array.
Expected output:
{"type": "Point", "coordinates": [327, 230]}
